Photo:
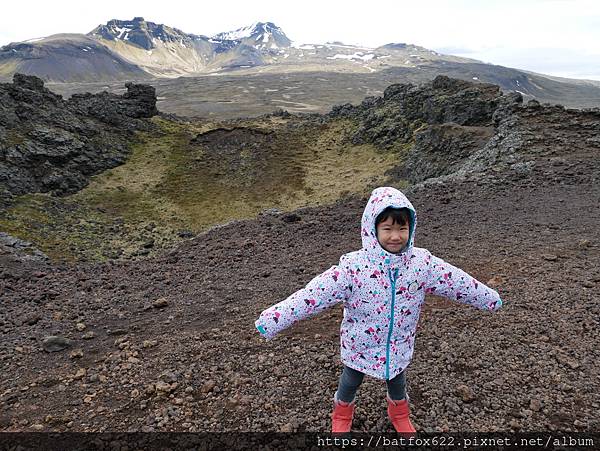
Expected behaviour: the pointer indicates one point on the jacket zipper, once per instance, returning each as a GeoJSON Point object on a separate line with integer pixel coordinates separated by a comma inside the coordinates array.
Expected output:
{"type": "Point", "coordinates": [391, 326]}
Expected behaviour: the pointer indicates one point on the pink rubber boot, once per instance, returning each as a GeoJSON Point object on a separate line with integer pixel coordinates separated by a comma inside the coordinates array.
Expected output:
{"type": "Point", "coordinates": [399, 412]}
{"type": "Point", "coordinates": [341, 417]}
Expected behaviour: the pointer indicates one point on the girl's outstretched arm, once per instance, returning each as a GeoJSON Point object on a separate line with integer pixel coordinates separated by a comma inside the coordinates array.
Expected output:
{"type": "Point", "coordinates": [446, 280]}
{"type": "Point", "coordinates": [322, 292]}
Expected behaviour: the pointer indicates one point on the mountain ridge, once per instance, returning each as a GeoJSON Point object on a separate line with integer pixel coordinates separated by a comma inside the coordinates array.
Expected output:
{"type": "Point", "coordinates": [162, 51]}
{"type": "Point", "coordinates": [139, 50]}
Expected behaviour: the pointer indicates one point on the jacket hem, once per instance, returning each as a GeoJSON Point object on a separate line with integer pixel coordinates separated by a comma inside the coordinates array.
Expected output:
{"type": "Point", "coordinates": [373, 373]}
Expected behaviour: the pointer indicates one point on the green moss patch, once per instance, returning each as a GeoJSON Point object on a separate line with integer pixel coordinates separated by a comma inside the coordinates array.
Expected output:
{"type": "Point", "coordinates": [191, 176]}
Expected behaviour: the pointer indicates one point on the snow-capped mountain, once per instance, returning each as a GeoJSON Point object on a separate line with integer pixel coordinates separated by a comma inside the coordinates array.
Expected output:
{"type": "Point", "coordinates": [134, 47]}
{"type": "Point", "coordinates": [261, 35]}
{"type": "Point", "coordinates": [143, 34]}
{"type": "Point", "coordinates": [158, 49]}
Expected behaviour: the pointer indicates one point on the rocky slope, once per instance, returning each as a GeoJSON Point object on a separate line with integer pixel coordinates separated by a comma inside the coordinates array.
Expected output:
{"type": "Point", "coordinates": [405, 111]}
{"type": "Point", "coordinates": [169, 343]}
{"type": "Point", "coordinates": [67, 58]}
{"type": "Point", "coordinates": [49, 144]}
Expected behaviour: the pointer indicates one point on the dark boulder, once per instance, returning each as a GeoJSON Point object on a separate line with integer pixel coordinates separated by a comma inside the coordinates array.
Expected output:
{"type": "Point", "coordinates": [393, 119]}
{"type": "Point", "coordinates": [441, 150]}
{"type": "Point", "coordinates": [48, 144]}
{"type": "Point", "coordinates": [29, 82]}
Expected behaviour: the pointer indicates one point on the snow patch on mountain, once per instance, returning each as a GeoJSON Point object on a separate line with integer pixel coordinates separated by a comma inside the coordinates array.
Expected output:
{"type": "Point", "coordinates": [236, 35]}
{"type": "Point", "coordinates": [123, 31]}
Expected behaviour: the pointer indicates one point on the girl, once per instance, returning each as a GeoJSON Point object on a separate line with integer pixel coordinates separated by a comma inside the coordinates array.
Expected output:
{"type": "Point", "coordinates": [382, 286]}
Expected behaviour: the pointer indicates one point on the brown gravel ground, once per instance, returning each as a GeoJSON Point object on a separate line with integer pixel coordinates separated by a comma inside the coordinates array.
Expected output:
{"type": "Point", "coordinates": [169, 343]}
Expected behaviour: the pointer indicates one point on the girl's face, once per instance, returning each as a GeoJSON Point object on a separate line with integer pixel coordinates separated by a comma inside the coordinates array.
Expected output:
{"type": "Point", "coordinates": [392, 237]}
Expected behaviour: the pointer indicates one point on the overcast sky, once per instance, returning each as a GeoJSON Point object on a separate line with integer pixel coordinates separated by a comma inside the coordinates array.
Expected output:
{"type": "Point", "coordinates": [557, 37]}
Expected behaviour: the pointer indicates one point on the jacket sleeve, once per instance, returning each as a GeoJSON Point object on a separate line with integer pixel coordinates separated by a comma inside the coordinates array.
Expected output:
{"type": "Point", "coordinates": [446, 280]}
{"type": "Point", "coordinates": [321, 293]}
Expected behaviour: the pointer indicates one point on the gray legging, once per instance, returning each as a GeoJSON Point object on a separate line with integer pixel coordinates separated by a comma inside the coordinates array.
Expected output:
{"type": "Point", "coordinates": [351, 379]}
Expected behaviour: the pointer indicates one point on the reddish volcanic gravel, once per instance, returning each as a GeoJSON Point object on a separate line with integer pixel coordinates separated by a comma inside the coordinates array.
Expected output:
{"type": "Point", "coordinates": [169, 343]}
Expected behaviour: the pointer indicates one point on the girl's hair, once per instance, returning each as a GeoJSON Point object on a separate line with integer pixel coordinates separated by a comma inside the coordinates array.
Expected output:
{"type": "Point", "coordinates": [398, 215]}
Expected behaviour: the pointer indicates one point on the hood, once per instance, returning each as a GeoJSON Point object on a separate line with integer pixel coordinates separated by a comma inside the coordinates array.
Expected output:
{"type": "Point", "coordinates": [380, 199]}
